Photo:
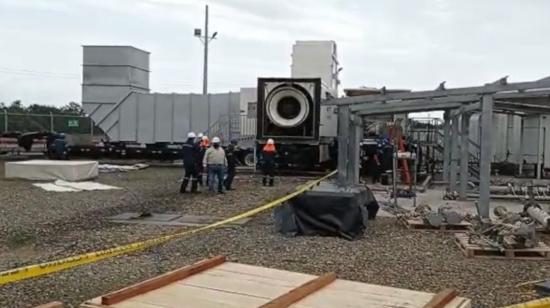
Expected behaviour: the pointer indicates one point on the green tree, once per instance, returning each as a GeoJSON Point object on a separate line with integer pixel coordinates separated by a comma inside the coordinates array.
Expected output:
{"type": "Point", "coordinates": [72, 108]}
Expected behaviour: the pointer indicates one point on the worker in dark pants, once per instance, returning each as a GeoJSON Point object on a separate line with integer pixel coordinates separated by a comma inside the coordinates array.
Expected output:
{"type": "Point", "coordinates": [57, 146]}
{"type": "Point", "coordinates": [215, 162]}
{"type": "Point", "coordinates": [202, 142]}
{"type": "Point", "coordinates": [191, 153]}
{"type": "Point", "coordinates": [230, 154]}
{"type": "Point", "coordinates": [268, 162]}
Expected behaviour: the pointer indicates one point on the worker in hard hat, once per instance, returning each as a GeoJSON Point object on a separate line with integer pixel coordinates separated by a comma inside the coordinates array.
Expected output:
{"type": "Point", "coordinates": [191, 154]}
{"type": "Point", "coordinates": [203, 145]}
{"type": "Point", "coordinates": [267, 160]}
{"type": "Point", "coordinates": [231, 155]}
{"type": "Point", "coordinates": [215, 162]}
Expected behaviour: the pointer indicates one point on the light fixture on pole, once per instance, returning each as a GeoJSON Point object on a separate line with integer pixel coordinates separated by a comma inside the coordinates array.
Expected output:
{"type": "Point", "coordinates": [205, 39]}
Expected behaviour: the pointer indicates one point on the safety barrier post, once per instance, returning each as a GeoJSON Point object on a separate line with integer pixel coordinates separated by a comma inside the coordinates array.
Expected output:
{"type": "Point", "coordinates": [5, 121]}
{"type": "Point", "coordinates": [51, 122]}
{"type": "Point", "coordinates": [91, 126]}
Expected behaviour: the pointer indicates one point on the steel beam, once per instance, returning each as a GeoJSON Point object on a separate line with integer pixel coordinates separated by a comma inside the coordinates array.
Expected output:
{"type": "Point", "coordinates": [470, 108]}
{"type": "Point", "coordinates": [480, 90]}
{"type": "Point", "coordinates": [343, 139]}
{"type": "Point", "coordinates": [464, 154]}
{"type": "Point", "coordinates": [453, 168]}
{"type": "Point", "coordinates": [400, 106]}
{"type": "Point", "coordinates": [355, 136]}
{"type": "Point", "coordinates": [446, 145]}
{"type": "Point", "coordinates": [486, 156]}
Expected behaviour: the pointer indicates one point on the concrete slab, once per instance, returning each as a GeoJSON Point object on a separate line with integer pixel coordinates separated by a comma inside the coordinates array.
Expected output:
{"type": "Point", "coordinates": [434, 198]}
{"type": "Point", "coordinates": [172, 219]}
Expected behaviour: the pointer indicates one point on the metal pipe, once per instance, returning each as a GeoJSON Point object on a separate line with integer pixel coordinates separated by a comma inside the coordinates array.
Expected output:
{"type": "Point", "coordinates": [539, 215]}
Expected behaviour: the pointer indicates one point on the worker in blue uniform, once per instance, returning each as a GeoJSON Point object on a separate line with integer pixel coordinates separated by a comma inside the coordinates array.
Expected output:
{"type": "Point", "coordinates": [231, 155]}
{"type": "Point", "coordinates": [191, 153]}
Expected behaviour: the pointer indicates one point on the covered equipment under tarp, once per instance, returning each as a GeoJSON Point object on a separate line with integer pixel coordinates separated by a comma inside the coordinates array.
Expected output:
{"type": "Point", "coordinates": [328, 211]}
{"type": "Point", "coordinates": [47, 170]}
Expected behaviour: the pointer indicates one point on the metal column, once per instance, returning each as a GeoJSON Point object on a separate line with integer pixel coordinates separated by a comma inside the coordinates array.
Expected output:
{"type": "Point", "coordinates": [486, 153]}
{"type": "Point", "coordinates": [464, 154]}
{"type": "Point", "coordinates": [520, 171]}
{"type": "Point", "coordinates": [343, 139]}
{"type": "Point", "coordinates": [539, 149]}
{"type": "Point", "coordinates": [355, 136]}
{"type": "Point", "coordinates": [453, 167]}
{"type": "Point", "coordinates": [446, 145]}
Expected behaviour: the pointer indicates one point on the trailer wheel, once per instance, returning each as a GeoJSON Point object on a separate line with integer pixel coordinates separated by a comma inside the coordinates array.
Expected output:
{"type": "Point", "coordinates": [249, 159]}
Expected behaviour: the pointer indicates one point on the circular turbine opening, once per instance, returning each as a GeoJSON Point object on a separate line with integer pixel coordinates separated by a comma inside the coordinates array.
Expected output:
{"type": "Point", "coordinates": [287, 106]}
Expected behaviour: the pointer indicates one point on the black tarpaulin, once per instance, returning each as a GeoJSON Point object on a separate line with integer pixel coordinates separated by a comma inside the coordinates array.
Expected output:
{"type": "Point", "coordinates": [324, 213]}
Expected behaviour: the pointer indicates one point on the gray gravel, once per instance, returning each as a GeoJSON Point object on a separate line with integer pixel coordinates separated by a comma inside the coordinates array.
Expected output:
{"type": "Point", "coordinates": [37, 226]}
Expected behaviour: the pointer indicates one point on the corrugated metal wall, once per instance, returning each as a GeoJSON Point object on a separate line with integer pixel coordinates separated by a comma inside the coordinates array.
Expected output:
{"type": "Point", "coordinates": [506, 136]}
{"type": "Point", "coordinates": [152, 118]}
{"type": "Point", "coordinates": [115, 93]}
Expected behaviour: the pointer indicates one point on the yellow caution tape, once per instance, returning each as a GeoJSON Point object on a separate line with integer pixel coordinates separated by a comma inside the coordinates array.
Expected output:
{"type": "Point", "coordinates": [90, 257]}
{"type": "Point", "coordinates": [537, 303]}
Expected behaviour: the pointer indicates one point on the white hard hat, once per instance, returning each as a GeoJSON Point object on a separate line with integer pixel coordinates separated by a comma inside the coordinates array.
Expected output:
{"type": "Point", "coordinates": [270, 141]}
{"type": "Point", "coordinates": [200, 135]}
{"type": "Point", "coordinates": [191, 135]}
{"type": "Point", "coordinates": [215, 140]}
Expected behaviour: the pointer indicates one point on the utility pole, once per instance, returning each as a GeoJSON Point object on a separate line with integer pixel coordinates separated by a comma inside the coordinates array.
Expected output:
{"type": "Point", "coordinates": [205, 39]}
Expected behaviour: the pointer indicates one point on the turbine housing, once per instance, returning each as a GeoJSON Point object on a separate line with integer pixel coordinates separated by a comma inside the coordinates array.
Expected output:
{"type": "Point", "coordinates": [288, 109]}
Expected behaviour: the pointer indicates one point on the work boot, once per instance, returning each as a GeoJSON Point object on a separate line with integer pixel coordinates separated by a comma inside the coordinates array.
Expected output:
{"type": "Point", "coordinates": [194, 186]}
{"type": "Point", "coordinates": [183, 186]}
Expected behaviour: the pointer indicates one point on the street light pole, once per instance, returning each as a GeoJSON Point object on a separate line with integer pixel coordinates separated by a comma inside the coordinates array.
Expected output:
{"type": "Point", "coordinates": [205, 68]}
{"type": "Point", "coordinates": [205, 39]}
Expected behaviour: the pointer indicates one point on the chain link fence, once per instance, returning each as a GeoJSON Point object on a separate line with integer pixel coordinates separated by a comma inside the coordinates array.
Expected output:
{"type": "Point", "coordinates": [61, 123]}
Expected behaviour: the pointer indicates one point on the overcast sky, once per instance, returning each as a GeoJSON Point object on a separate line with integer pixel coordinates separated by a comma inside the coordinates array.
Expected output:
{"type": "Point", "coordinates": [399, 44]}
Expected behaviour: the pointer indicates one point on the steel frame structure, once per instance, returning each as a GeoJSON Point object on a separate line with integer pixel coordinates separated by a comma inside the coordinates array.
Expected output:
{"type": "Point", "coordinates": [458, 104]}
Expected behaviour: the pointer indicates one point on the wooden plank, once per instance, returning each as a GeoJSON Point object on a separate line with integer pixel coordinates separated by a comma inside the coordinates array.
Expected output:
{"type": "Point", "coordinates": [252, 285]}
{"type": "Point", "coordinates": [160, 281]}
{"type": "Point", "coordinates": [300, 292]}
{"type": "Point", "coordinates": [344, 293]}
{"type": "Point", "coordinates": [352, 294]}
{"type": "Point", "coordinates": [441, 299]}
{"type": "Point", "coordinates": [179, 295]}
{"type": "Point", "coordinates": [51, 305]}
{"type": "Point", "coordinates": [419, 225]}
{"type": "Point", "coordinates": [264, 271]}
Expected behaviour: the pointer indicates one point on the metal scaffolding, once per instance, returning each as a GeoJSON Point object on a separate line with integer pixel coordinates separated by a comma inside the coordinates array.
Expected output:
{"type": "Point", "coordinates": [458, 104]}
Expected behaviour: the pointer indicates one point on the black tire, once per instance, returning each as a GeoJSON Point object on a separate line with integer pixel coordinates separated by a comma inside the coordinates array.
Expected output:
{"type": "Point", "coordinates": [249, 159]}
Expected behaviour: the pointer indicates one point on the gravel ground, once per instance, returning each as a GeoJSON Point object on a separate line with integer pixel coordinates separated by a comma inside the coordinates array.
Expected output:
{"type": "Point", "coordinates": [38, 226]}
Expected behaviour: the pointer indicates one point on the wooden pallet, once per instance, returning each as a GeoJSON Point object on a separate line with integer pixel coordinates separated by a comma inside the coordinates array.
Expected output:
{"type": "Point", "coordinates": [419, 225]}
{"type": "Point", "coordinates": [542, 252]}
{"type": "Point", "coordinates": [216, 283]}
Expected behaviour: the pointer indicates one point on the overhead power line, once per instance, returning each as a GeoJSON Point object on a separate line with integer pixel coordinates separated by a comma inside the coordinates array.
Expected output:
{"type": "Point", "coordinates": [26, 72]}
